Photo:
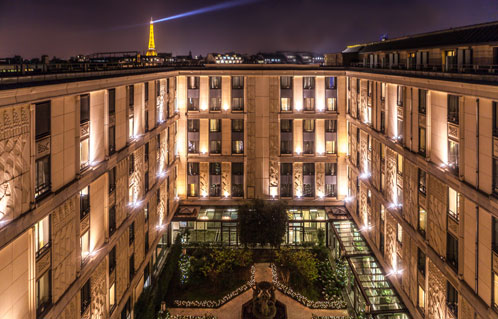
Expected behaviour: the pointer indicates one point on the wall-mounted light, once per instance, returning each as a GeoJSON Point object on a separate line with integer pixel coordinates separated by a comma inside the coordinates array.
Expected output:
{"type": "Point", "coordinates": [299, 194]}
{"type": "Point", "coordinates": [225, 107]}
{"type": "Point", "coordinates": [348, 199]}
{"type": "Point", "coordinates": [366, 228]}
{"type": "Point", "coordinates": [226, 194]}
{"type": "Point", "coordinates": [394, 272]}
{"type": "Point", "coordinates": [135, 204]}
{"type": "Point", "coordinates": [365, 175]}
{"type": "Point", "coordinates": [298, 150]}
{"type": "Point", "coordinates": [443, 165]}
{"type": "Point", "coordinates": [204, 194]}
{"type": "Point", "coordinates": [203, 151]}
{"type": "Point", "coordinates": [161, 174]}
{"type": "Point", "coordinates": [273, 191]}
{"type": "Point", "coordinates": [320, 195]}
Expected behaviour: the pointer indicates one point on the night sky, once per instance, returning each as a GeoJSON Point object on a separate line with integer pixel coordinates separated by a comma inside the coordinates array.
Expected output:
{"type": "Point", "coordinates": [65, 28]}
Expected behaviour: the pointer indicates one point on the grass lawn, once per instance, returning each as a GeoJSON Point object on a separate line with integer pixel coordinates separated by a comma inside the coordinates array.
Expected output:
{"type": "Point", "coordinates": [204, 289]}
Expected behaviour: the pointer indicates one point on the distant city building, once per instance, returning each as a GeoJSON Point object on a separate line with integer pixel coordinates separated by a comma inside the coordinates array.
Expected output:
{"type": "Point", "coordinates": [225, 58]}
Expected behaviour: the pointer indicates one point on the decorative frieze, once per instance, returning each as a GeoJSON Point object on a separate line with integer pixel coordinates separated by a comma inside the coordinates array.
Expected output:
{"type": "Point", "coordinates": [99, 290]}
{"type": "Point", "coordinates": [226, 178]}
{"type": "Point", "coordinates": [437, 293]}
{"type": "Point", "coordinates": [437, 194]}
{"type": "Point", "coordinates": [298, 179]}
{"type": "Point", "coordinates": [204, 178]}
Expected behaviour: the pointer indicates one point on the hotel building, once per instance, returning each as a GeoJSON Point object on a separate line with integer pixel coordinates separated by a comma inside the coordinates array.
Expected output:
{"type": "Point", "coordinates": [389, 147]}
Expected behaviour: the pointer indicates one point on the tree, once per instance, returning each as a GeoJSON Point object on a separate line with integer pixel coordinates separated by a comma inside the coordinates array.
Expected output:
{"type": "Point", "coordinates": [263, 223]}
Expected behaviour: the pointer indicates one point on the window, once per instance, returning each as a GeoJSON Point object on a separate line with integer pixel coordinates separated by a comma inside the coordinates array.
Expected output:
{"type": "Point", "coordinates": [330, 136]}
{"type": "Point", "coordinates": [452, 251]}
{"type": "Point", "coordinates": [330, 83]}
{"type": "Point", "coordinates": [193, 82]}
{"type": "Point", "coordinates": [131, 96]}
{"type": "Point", "coordinates": [237, 82]}
{"type": "Point", "coordinates": [84, 152]}
{"type": "Point", "coordinates": [237, 104]}
{"type": "Point", "coordinates": [131, 233]}
{"type": "Point", "coordinates": [369, 88]}
{"type": "Point", "coordinates": [42, 235]}
{"type": "Point", "coordinates": [330, 179]}
{"type": "Point", "coordinates": [158, 88]}
{"type": "Point", "coordinates": [452, 300]}
{"type": "Point", "coordinates": [495, 290]}
{"type": "Point", "coordinates": [453, 151]}
{"type": "Point", "coordinates": [285, 104]}
{"type": "Point", "coordinates": [126, 312]}
{"type": "Point", "coordinates": [42, 119]}
{"type": "Point", "coordinates": [400, 95]}
{"type": "Point", "coordinates": [357, 86]}
{"type": "Point", "coordinates": [286, 82]}
{"type": "Point", "coordinates": [85, 246]}
{"type": "Point", "coordinates": [309, 179]}
{"type": "Point", "coordinates": [112, 259]}
{"type": "Point", "coordinates": [112, 297]}
{"type": "Point", "coordinates": [421, 140]}
{"type": "Point", "coordinates": [453, 205]}
{"type": "Point", "coordinates": [238, 136]}
{"type": "Point", "coordinates": [422, 101]}
{"type": "Point", "coordinates": [400, 165]}
{"type": "Point", "coordinates": [348, 83]}
{"type": "Point", "coordinates": [495, 175]}
{"type": "Point", "coordinates": [112, 179]}
{"type": "Point", "coordinates": [193, 179]}
{"type": "Point", "coordinates": [421, 181]}
{"type": "Point", "coordinates": [215, 179]}
{"type": "Point", "coordinates": [399, 234]}
{"type": "Point", "coordinates": [215, 82]}
{"type": "Point", "coordinates": [308, 82]}
{"type": "Point", "coordinates": [85, 296]}
{"type": "Point", "coordinates": [237, 179]}
{"type": "Point", "coordinates": [286, 137]}
{"type": "Point", "coordinates": [495, 119]}
{"type": "Point", "coordinates": [453, 109]}
{"type": "Point", "coordinates": [422, 220]}
{"type": "Point", "coordinates": [146, 91]}
{"type": "Point", "coordinates": [84, 201]}
{"type": "Point", "coordinates": [112, 139]}
{"type": "Point", "coordinates": [131, 164]}
{"type": "Point", "coordinates": [331, 104]}
{"type": "Point", "coordinates": [43, 292]}
{"type": "Point", "coordinates": [192, 104]}
{"type": "Point", "coordinates": [131, 127]}
{"type": "Point", "coordinates": [42, 178]}
{"type": "Point", "coordinates": [309, 103]}
{"type": "Point", "coordinates": [308, 136]}
{"type": "Point", "coordinates": [382, 91]}
{"type": "Point", "coordinates": [84, 108]}
{"type": "Point", "coordinates": [421, 261]}
{"type": "Point", "coordinates": [382, 121]}
{"type": "Point", "coordinates": [330, 126]}
{"type": "Point", "coordinates": [495, 235]}
{"type": "Point", "coordinates": [215, 136]}
{"type": "Point", "coordinates": [215, 104]}
{"type": "Point", "coordinates": [193, 136]}
{"type": "Point", "coordinates": [112, 220]}
{"type": "Point", "coordinates": [421, 298]}
{"type": "Point", "coordinates": [286, 179]}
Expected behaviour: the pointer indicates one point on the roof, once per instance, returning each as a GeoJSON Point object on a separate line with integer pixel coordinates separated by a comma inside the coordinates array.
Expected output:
{"type": "Point", "coordinates": [473, 34]}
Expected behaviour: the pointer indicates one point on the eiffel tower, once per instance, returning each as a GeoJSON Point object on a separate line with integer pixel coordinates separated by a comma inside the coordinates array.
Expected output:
{"type": "Point", "coordinates": [152, 46]}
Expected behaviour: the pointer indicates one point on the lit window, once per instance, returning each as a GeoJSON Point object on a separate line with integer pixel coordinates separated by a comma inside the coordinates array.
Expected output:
{"type": "Point", "coordinates": [495, 290]}
{"type": "Point", "coordinates": [112, 297]}
{"type": "Point", "coordinates": [285, 104]}
{"type": "Point", "coordinates": [421, 298]}
{"type": "Point", "coordinates": [85, 246]}
{"type": "Point", "coordinates": [422, 220]}
{"type": "Point", "coordinates": [331, 104]}
{"type": "Point", "coordinates": [42, 235]}
{"type": "Point", "coordinates": [131, 132]}
{"type": "Point", "coordinates": [84, 153]}
{"type": "Point", "coordinates": [399, 234]}
{"type": "Point", "coordinates": [453, 203]}
{"type": "Point", "coordinates": [43, 292]}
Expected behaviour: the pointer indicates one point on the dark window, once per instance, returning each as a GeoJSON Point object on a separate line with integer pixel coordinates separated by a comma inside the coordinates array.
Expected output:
{"type": "Point", "coordinates": [131, 233]}
{"type": "Point", "coordinates": [330, 126]}
{"type": "Point", "coordinates": [43, 293]}
{"type": "Point", "coordinates": [86, 296]}
{"type": "Point", "coordinates": [382, 122]}
{"type": "Point", "coordinates": [495, 175]}
{"type": "Point", "coordinates": [237, 179]}
{"type": "Point", "coordinates": [192, 179]}
{"type": "Point", "coordinates": [286, 82]}
{"type": "Point", "coordinates": [112, 139]}
{"type": "Point", "coordinates": [158, 88]}
{"type": "Point", "coordinates": [495, 119]}
{"type": "Point", "coordinates": [112, 259]}
{"type": "Point", "coordinates": [237, 82]}
{"type": "Point", "coordinates": [112, 220]}
{"type": "Point", "coordinates": [453, 155]}
{"type": "Point", "coordinates": [400, 95]}
{"type": "Point", "coordinates": [42, 178]}
{"type": "Point", "coordinates": [452, 252]}
{"type": "Point", "coordinates": [112, 179]}
{"type": "Point", "coordinates": [146, 89]}
{"type": "Point", "coordinates": [421, 181]}
{"type": "Point", "coordinates": [84, 201]}
{"type": "Point", "coordinates": [126, 312]}
{"type": "Point", "coordinates": [452, 300]}
{"type": "Point", "coordinates": [112, 101]}
{"type": "Point", "coordinates": [131, 95]}
{"type": "Point", "coordinates": [215, 136]}
{"type": "Point", "coordinates": [193, 136]}
{"type": "Point", "coordinates": [422, 101]}
{"type": "Point", "coordinates": [308, 82]}
{"type": "Point", "coordinates": [286, 179]}
{"type": "Point", "coordinates": [308, 136]}
{"type": "Point", "coordinates": [495, 235]}
{"type": "Point", "coordinates": [131, 164]}
{"type": "Point", "coordinates": [215, 82]}
{"type": "Point", "coordinates": [42, 117]}
{"type": "Point", "coordinates": [132, 267]}
{"type": "Point", "coordinates": [146, 178]}
{"type": "Point", "coordinates": [215, 179]}
{"type": "Point", "coordinates": [146, 155]}
{"type": "Point", "coordinates": [421, 261]}
{"type": "Point", "coordinates": [192, 104]}
{"type": "Point", "coordinates": [330, 82]}
{"type": "Point", "coordinates": [238, 136]}
{"type": "Point", "coordinates": [421, 140]}
{"type": "Point", "coordinates": [193, 82]}
{"type": "Point", "coordinates": [146, 242]}
{"type": "Point", "coordinates": [237, 104]}
{"type": "Point", "coordinates": [84, 108]}
{"type": "Point", "coordinates": [357, 85]}
{"type": "Point", "coordinates": [309, 179]}
{"type": "Point", "coordinates": [453, 109]}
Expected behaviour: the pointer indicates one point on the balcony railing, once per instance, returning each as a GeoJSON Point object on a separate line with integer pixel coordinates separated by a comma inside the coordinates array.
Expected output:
{"type": "Point", "coordinates": [449, 68]}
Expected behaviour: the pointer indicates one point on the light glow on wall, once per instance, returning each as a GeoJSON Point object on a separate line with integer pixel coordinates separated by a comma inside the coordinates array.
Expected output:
{"type": "Point", "coordinates": [273, 191]}
{"type": "Point", "coordinates": [298, 150]}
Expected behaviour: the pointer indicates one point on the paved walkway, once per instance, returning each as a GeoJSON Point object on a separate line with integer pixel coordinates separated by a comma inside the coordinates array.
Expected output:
{"type": "Point", "coordinates": [233, 308]}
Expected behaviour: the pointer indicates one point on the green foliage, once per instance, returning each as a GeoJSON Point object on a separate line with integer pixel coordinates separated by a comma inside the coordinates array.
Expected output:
{"type": "Point", "coordinates": [262, 222]}
{"type": "Point", "coordinates": [332, 279]}
{"type": "Point", "coordinates": [298, 261]}
{"type": "Point", "coordinates": [321, 237]}
{"type": "Point", "coordinates": [149, 301]}
{"type": "Point", "coordinates": [215, 264]}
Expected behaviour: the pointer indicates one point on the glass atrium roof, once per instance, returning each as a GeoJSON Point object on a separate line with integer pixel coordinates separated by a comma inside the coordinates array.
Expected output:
{"type": "Point", "coordinates": [350, 238]}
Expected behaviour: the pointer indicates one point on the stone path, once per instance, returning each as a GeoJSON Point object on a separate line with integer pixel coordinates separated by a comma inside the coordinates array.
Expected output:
{"type": "Point", "coordinates": [233, 309]}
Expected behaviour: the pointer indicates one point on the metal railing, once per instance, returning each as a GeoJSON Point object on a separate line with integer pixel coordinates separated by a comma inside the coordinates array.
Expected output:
{"type": "Point", "coordinates": [449, 68]}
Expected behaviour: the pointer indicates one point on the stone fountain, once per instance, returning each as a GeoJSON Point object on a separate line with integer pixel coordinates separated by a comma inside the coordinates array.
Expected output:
{"type": "Point", "coordinates": [263, 304]}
